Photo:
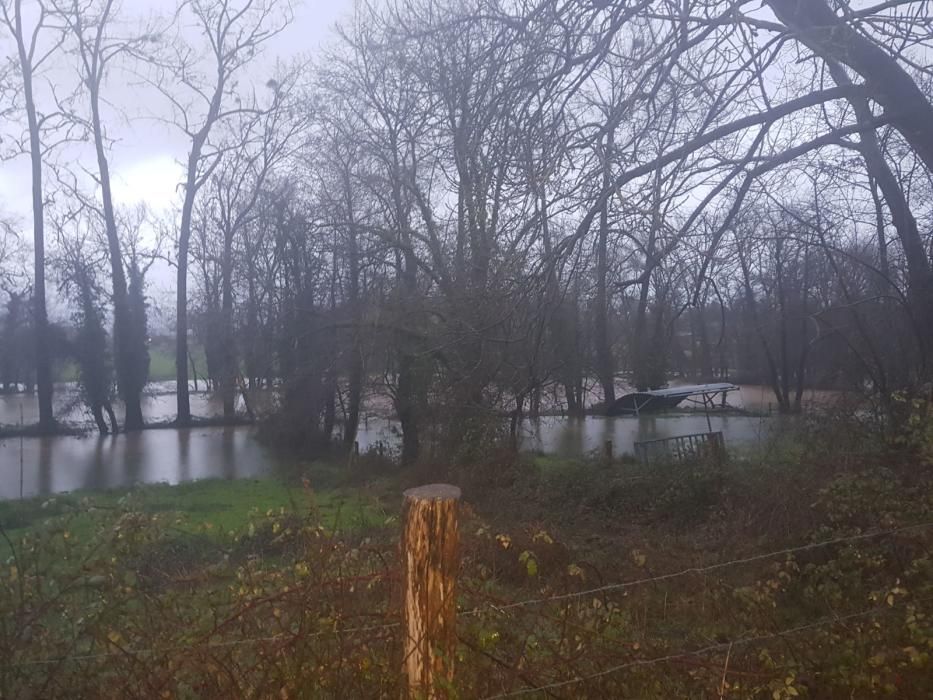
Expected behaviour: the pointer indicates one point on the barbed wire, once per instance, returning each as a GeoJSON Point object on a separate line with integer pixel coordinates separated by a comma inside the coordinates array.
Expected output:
{"type": "Point", "coordinates": [692, 570]}
{"type": "Point", "coordinates": [722, 646]}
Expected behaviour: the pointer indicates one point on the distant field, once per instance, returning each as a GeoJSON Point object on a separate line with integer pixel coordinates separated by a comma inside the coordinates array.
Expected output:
{"type": "Point", "coordinates": [161, 364]}
{"type": "Point", "coordinates": [162, 361]}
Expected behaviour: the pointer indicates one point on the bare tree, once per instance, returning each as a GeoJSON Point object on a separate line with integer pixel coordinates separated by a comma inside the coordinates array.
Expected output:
{"type": "Point", "coordinates": [35, 46]}
{"type": "Point", "coordinates": [254, 146]}
{"type": "Point", "coordinates": [14, 330]}
{"type": "Point", "coordinates": [203, 92]}
{"type": "Point", "coordinates": [836, 38]}
{"type": "Point", "coordinates": [97, 48]}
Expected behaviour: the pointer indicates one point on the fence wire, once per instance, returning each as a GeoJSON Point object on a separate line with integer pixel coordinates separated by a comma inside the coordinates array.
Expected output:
{"type": "Point", "coordinates": [712, 648]}
{"type": "Point", "coordinates": [693, 570]}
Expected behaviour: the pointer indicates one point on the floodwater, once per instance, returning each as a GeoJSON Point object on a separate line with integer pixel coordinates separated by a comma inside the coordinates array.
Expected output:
{"type": "Point", "coordinates": [158, 404]}
{"type": "Point", "coordinates": [45, 466]}
{"type": "Point", "coordinates": [58, 464]}
{"type": "Point", "coordinates": [570, 437]}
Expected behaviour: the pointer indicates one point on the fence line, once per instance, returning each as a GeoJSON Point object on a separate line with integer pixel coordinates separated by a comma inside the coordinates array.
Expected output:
{"type": "Point", "coordinates": [722, 646]}
{"type": "Point", "coordinates": [491, 607]}
{"type": "Point", "coordinates": [421, 633]}
{"type": "Point", "coordinates": [692, 570]}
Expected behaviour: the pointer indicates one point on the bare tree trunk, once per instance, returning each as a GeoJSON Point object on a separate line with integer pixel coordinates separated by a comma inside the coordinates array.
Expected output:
{"type": "Point", "coordinates": [114, 426]}
{"type": "Point", "coordinates": [699, 347]}
{"type": "Point", "coordinates": [515, 419]}
{"type": "Point", "coordinates": [640, 339]}
{"type": "Point", "coordinates": [919, 272]}
{"type": "Point", "coordinates": [752, 305]}
{"type": "Point", "coordinates": [233, 38]}
{"type": "Point", "coordinates": [354, 395]}
{"type": "Point", "coordinates": [818, 27]}
{"type": "Point", "coordinates": [229, 372]}
{"type": "Point", "coordinates": [880, 236]}
{"type": "Point", "coordinates": [604, 359]}
{"type": "Point", "coordinates": [128, 349]}
{"type": "Point", "coordinates": [97, 411]}
{"type": "Point", "coordinates": [803, 320]}
{"type": "Point", "coordinates": [330, 404]}
{"type": "Point", "coordinates": [124, 343]}
{"type": "Point", "coordinates": [194, 371]}
{"type": "Point", "coordinates": [643, 344]}
{"type": "Point", "coordinates": [784, 396]}
{"type": "Point", "coordinates": [182, 398]}
{"type": "Point", "coordinates": [407, 409]}
{"type": "Point", "coordinates": [40, 314]}
{"type": "Point", "coordinates": [409, 392]}
{"type": "Point", "coordinates": [355, 378]}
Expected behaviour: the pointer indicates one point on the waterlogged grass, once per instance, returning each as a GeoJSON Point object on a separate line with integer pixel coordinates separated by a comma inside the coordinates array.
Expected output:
{"type": "Point", "coordinates": [209, 506]}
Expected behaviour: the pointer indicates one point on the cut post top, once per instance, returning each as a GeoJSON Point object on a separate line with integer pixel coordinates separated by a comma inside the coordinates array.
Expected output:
{"type": "Point", "coordinates": [437, 492]}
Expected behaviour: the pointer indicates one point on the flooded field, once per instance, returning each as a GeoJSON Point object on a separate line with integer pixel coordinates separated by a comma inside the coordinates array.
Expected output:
{"type": "Point", "coordinates": [43, 466]}
{"type": "Point", "coordinates": [158, 405]}
{"type": "Point", "coordinates": [39, 466]}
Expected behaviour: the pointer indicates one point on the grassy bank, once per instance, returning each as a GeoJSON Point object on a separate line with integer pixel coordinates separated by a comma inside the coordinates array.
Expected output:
{"type": "Point", "coordinates": [798, 573]}
{"type": "Point", "coordinates": [215, 505]}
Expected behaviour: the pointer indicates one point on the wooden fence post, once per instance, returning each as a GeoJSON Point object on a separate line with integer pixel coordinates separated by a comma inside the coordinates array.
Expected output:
{"type": "Point", "coordinates": [607, 451]}
{"type": "Point", "coordinates": [431, 561]}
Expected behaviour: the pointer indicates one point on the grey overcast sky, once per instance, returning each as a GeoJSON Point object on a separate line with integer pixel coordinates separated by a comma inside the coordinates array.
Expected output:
{"type": "Point", "coordinates": [146, 155]}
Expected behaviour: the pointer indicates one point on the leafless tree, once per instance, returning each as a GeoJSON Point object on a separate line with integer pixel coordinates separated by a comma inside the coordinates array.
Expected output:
{"type": "Point", "coordinates": [38, 37]}
{"type": "Point", "coordinates": [98, 45]}
{"type": "Point", "coordinates": [203, 91]}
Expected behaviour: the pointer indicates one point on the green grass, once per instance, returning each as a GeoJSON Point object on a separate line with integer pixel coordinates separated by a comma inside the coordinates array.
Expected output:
{"type": "Point", "coordinates": [549, 463]}
{"type": "Point", "coordinates": [162, 362]}
{"type": "Point", "coordinates": [211, 506]}
{"type": "Point", "coordinates": [65, 371]}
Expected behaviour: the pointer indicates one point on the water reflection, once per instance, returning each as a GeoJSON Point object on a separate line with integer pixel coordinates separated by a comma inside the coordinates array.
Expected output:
{"type": "Point", "coordinates": [571, 437]}
{"type": "Point", "coordinates": [99, 459]}
{"type": "Point", "coordinates": [158, 405]}
{"type": "Point", "coordinates": [184, 454]}
{"type": "Point", "coordinates": [52, 465]}
{"type": "Point", "coordinates": [44, 466]}
{"type": "Point", "coordinates": [228, 453]}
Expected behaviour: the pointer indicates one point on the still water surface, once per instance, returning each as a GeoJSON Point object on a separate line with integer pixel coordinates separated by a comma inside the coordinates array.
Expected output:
{"type": "Point", "coordinates": [158, 404]}
{"type": "Point", "coordinates": [43, 466]}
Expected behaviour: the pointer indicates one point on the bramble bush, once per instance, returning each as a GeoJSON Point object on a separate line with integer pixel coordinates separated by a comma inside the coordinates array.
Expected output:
{"type": "Point", "coordinates": [133, 607]}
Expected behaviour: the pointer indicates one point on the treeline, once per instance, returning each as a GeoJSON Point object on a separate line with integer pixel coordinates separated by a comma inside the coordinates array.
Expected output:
{"type": "Point", "coordinates": [467, 205]}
